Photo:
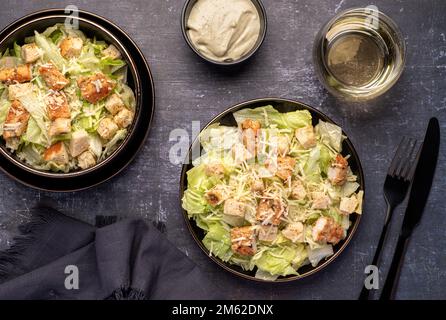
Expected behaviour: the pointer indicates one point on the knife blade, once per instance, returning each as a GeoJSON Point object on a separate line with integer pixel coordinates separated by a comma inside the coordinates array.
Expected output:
{"type": "Point", "coordinates": [419, 194]}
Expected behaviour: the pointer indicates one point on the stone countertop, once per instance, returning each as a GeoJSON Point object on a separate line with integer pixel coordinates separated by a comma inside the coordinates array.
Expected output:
{"type": "Point", "coordinates": [187, 90]}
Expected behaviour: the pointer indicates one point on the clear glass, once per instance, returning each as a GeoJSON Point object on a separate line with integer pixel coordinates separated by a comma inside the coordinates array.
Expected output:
{"type": "Point", "coordinates": [359, 54]}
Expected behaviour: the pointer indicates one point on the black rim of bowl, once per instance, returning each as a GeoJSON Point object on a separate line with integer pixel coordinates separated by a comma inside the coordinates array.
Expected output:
{"type": "Point", "coordinates": [287, 105]}
{"type": "Point", "coordinates": [125, 153]}
{"type": "Point", "coordinates": [263, 21]}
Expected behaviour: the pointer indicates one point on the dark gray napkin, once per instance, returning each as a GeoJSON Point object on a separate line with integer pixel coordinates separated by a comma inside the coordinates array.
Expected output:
{"type": "Point", "coordinates": [125, 260]}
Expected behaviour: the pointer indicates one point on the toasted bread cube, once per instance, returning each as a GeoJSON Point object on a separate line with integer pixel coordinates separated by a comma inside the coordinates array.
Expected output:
{"type": "Point", "coordinates": [31, 53]}
{"type": "Point", "coordinates": [80, 142]}
{"type": "Point", "coordinates": [123, 118]}
{"type": "Point", "coordinates": [95, 87]}
{"type": "Point", "coordinates": [298, 191]}
{"type": "Point", "coordinates": [306, 137]}
{"type": "Point", "coordinates": [71, 47]}
{"type": "Point", "coordinates": [111, 52]}
{"type": "Point", "coordinates": [56, 153]}
{"type": "Point", "coordinates": [86, 160]}
{"type": "Point", "coordinates": [53, 78]}
{"type": "Point", "coordinates": [233, 207]}
{"type": "Point", "coordinates": [107, 128]}
{"type": "Point", "coordinates": [243, 241]}
{"type": "Point", "coordinates": [348, 205]}
{"type": "Point", "coordinates": [337, 172]}
{"type": "Point", "coordinates": [59, 126]}
{"type": "Point", "coordinates": [20, 74]}
{"type": "Point", "coordinates": [321, 200]}
{"type": "Point", "coordinates": [15, 91]}
{"type": "Point", "coordinates": [215, 169]}
{"type": "Point", "coordinates": [268, 233]}
{"type": "Point", "coordinates": [257, 185]}
{"type": "Point", "coordinates": [114, 104]}
{"type": "Point", "coordinates": [16, 121]}
{"type": "Point", "coordinates": [57, 105]}
{"type": "Point", "coordinates": [295, 232]}
{"type": "Point", "coordinates": [269, 211]}
{"type": "Point", "coordinates": [327, 230]}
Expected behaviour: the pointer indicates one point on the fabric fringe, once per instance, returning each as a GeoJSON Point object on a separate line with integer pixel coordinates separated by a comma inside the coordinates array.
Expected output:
{"type": "Point", "coordinates": [10, 259]}
{"type": "Point", "coordinates": [127, 293]}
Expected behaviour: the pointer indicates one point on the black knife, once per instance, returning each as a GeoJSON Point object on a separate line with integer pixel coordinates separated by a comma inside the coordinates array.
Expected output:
{"type": "Point", "coordinates": [419, 193]}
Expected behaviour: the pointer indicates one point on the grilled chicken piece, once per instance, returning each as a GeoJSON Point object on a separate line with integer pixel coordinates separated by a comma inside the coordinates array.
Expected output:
{"type": "Point", "coordinates": [15, 91]}
{"type": "Point", "coordinates": [31, 53]}
{"type": "Point", "coordinates": [71, 47]}
{"type": "Point", "coordinates": [269, 211]}
{"type": "Point", "coordinates": [53, 78]}
{"type": "Point", "coordinates": [80, 142]}
{"type": "Point", "coordinates": [337, 172]}
{"type": "Point", "coordinates": [306, 136]}
{"type": "Point", "coordinates": [321, 200]}
{"type": "Point", "coordinates": [250, 131]}
{"type": "Point", "coordinates": [243, 241]}
{"type": "Point", "coordinates": [59, 126]}
{"type": "Point", "coordinates": [283, 169]}
{"type": "Point", "coordinates": [16, 121]}
{"type": "Point", "coordinates": [215, 169]}
{"type": "Point", "coordinates": [298, 191]}
{"type": "Point", "coordinates": [294, 231]}
{"type": "Point", "coordinates": [95, 87]}
{"type": "Point", "coordinates": [327, 230]}
{"type": "Point", "coordinates": [56, 153]}
{"type": "Point", "coordinates": [57, 105]}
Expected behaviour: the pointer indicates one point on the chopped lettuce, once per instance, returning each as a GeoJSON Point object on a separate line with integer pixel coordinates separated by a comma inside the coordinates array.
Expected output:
{"type": "Point", "coordinates": [331, 135]}
{"type": "Point", "coordinates": [218, 242]}
{"type": "Point", "coordinates": [50, 50]}
{"type": "Point", "coordinates": [276, 260]}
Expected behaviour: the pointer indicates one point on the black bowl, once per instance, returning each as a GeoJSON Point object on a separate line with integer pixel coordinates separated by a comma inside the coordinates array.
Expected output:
{"type": "Point", "coordinates": [263, 27]}
{"type": "Point", "coordinates": [282, 105]}
{"type": "Point", "coordinates": [139, 79]}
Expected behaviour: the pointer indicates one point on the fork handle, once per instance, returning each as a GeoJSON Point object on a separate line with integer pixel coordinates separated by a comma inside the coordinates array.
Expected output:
{"type": "Point", "coordinates": [391, 283]}
{"type": "Point", "coordinates": [376, 259]}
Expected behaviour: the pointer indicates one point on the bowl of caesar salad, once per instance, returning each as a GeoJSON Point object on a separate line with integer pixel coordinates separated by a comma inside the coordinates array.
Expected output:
{"type": "Point", "coordinates": [274, 190]}
{"type": "Point", "coordinates": [71, 99]}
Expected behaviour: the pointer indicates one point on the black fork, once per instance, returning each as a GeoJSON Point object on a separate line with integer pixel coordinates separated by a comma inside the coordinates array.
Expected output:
{"type": "Point", "coordinates": [395, 190]}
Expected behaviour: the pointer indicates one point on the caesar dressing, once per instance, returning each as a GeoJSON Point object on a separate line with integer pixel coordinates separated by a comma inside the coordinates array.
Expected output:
{"type": "Point", "coordinates": [224, 30]}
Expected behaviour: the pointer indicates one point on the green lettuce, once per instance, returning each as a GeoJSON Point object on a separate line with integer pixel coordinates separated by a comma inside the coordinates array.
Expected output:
{"type": "Point", "coordinates": [269, 116]}
{"type": "Point", "coordinates": [218, 241]}
{"type": "Point", "coordinates": [4, 108]}
{"type": "Point", "coordinates": [50, 50]}
{"type": "Point", "coordinates": [276, 260]}
{"type": "Point", "coordinates": [330, 135]}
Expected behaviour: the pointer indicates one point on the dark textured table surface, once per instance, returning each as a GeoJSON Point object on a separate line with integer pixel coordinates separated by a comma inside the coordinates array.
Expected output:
{"type": "Point", "coordinates": [189, 90]}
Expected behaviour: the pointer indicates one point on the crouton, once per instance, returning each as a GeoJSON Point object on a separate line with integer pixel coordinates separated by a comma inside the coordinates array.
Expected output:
{"type": "Point", "coordinates": [80, 142]}
{"type": "Point", "coordinates": [267, 233]}
{"type": "Point", "coordinates": [59, 126]}
{"type": "Point", "coordinates": [294, 232]}
{"type": "Point", "coordinates": [71, 47]}
{"type": "Point", "coordinates": [327, 230]}
{"type": "Point", "coordinates": [86, 160]}
{"type": "Point", "coordinates": [123, 118]}
{"type": "Point", "coordinates": [57, 105]}
{"type": "Point", "coordinates": [111, 52]}
{"type": "Point", "coordinates": [30, 53]}
{"type": "Point", "coordinates": [233, 207]}
{"type": "Point", "coordinates": [16, 121]}
{"type": "Point", "coordinates": [348, 205]}
{"type": "Point", "coordinates": [298, 191]}
{"type": "Point", "coordinates": [15, 91]}
{"type": "Point", "coordinates": [114, 104]}
{"type": "Point", "coordinates": [216, 196]}
{"type": "Point", "coordinates": [321, 200]}
{"type": "Point", "coordinates": [53, 78]}
{"type": "Point", "coordinates": [95, 87]}
{"type": "Point", "coordinates": [215, 169]}
{"type": "Point", "coordinates": [19, 74]}
{"type": "Point", "coordinates": [257, 185]}
{"type": "Point", "coordinates": [337, 172]}
{"type": "Point", "coordinates": [243, 241]}
{"type": "Point", "coordinates": [306, 136]}
{"type": "Point", "coordinates": [107, 128]}
{"type": "Point", "coordinates": [56, 153]}
{"type": "Point", "coordinates": [269, 211]}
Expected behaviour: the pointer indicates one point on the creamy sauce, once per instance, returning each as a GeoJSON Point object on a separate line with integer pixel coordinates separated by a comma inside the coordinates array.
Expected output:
{"type": "Point", "coordinates": [224, 30]}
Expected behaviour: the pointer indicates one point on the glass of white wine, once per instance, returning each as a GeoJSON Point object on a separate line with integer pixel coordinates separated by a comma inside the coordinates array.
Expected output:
{"type": "Point", "coordinates": [359, 54]}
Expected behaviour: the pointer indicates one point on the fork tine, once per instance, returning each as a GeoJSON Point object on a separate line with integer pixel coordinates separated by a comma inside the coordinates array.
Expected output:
{"type": "Point", "coordinates": [406, 157]}
{"type": "Point", "coordinates": [408, 170]}
{"type": "Point", "coordinates": [396, 158]}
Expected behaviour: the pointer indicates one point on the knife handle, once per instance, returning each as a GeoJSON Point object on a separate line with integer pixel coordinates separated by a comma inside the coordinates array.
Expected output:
{"type": "Point", "coordinates": [391, 283]}
{"type": "Point", "coordinates": [365, 293]}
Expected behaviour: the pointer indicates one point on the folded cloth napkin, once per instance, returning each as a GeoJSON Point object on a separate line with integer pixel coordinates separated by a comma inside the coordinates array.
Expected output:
{"type": "Point", "coordinates": [126, 260]}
